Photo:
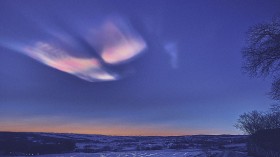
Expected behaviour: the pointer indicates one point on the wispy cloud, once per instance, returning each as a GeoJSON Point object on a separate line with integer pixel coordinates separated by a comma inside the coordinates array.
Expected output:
{"type": "Point", "coordinates": [117, 41]}
{"type": "Point", "coordinates": [172, 51]}
{"type": "Point", "coordinates": [88, 69]}
{"type": "Point", "coordinates": [113, 40]}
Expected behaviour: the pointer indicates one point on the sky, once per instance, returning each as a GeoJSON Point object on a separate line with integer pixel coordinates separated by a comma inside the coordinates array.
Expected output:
{"type": "Point", "coordinates": [128, 67]}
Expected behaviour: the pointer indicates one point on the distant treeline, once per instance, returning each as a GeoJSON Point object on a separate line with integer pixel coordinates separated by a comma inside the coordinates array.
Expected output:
{"type": "Point", "coordinates": [28, 144]}
{"type": "Point", "coordinates": [265, 143]}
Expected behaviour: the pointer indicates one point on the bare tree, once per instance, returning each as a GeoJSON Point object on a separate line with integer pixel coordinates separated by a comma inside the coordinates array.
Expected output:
{"type": "Point", "coordinates": [250, 122]}
{"type": "Point", "coordinates": [273, 117]}
{"type": "Point", "coordinates": [262, 53]}
{"type": "Point", "coordinates": [254, 121]}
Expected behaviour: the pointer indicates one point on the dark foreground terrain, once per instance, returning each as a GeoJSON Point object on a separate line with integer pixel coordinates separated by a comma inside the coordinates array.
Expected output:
{"type": "Point", "coordinates": [59, 144]}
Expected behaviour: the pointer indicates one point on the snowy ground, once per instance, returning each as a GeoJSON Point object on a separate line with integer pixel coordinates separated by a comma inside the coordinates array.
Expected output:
{"type": "Point", "coordinates": [157, 153]}
{"type": "Point", "coordinates": [78, 145]}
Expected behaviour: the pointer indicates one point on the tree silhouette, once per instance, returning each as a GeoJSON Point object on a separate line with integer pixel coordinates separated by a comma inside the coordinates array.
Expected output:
{"type": "Point", "coordinates": [251, 122]}
{"type": "Point", "coordinates": [262, 53]}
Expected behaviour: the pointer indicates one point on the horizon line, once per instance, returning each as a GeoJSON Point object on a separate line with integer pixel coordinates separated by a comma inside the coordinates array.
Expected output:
{"type": "Point", "coordinates": [1, 131]}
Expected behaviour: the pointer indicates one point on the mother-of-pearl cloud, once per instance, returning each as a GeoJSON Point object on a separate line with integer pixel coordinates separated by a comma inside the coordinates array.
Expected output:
{"type": "Point", "coordinates": [114, 40]}
{"type": "Point", "coordinates": [88, 69]}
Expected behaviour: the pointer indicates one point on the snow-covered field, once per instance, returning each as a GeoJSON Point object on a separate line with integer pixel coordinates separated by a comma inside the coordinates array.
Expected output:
{"type": "Point", "coordinates": [79, 145]}
{"type": "Point", "coordinates": [157, 153]}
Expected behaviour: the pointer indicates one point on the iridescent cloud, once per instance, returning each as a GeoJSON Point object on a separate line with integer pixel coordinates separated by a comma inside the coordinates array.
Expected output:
{"type": "Point", "coordinates": [88, 69]}
{"type": "Point", "coordinates": [116, 41]}
{"type": "Point", "coordinates": [113, 40]}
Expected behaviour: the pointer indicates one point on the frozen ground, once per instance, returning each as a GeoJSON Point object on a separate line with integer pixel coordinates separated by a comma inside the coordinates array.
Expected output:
{"type": "Point", "coordinates": [78, 145]}
{"type": "Point", "coordinates": [156, 153]}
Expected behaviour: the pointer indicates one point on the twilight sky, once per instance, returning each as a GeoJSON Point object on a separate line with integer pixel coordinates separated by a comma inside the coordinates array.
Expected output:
{"type": "Point", "coordinates": [128, 67]}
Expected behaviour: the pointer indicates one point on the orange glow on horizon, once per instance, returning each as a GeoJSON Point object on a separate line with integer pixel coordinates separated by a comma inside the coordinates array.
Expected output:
{"type": "Point", "coordinates": [122, 130]}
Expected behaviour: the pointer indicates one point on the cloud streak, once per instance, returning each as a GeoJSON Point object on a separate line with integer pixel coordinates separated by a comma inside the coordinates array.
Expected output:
{"type": "Point", "coordinates": [114, 40]}
{"type": "Point", "coordinates": [171, 50]}
{"type": "Point", "coordinates": [88, 69]}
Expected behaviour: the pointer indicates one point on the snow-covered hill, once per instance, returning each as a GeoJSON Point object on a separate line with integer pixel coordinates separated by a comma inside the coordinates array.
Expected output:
{"type": "Point", "coordinates": [59, 144]}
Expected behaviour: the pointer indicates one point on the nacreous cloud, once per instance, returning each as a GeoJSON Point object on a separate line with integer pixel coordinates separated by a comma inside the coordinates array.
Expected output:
{"type": "Point", "coordinates": [86, 68]}
{"type": "Point", "coordinates": [113, 40]}
{"type": "Point", "coordinates": [116, 41]}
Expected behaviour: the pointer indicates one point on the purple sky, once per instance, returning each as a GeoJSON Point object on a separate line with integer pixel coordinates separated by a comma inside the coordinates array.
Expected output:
{"type": "Point", "coordinates": [187, 80]}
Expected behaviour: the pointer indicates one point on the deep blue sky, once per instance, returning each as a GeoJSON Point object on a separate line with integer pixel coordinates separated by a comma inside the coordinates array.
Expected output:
{"type": "Point", "coordinates": [188, 80]}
